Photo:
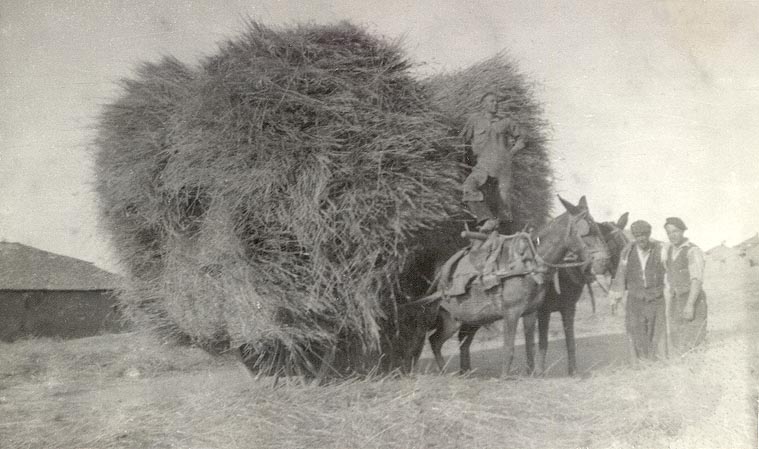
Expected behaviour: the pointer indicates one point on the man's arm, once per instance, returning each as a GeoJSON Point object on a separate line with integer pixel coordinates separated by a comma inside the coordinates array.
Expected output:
{"type": "Point", "coordinates": [619, 282]}
{"type": "Point", "coordinates": [517, 134]}
{"type": "Point", "coordinates": [518, 146]}
{"type": "Point", "coordinates": [467, 132]}
{"type": "Point", "coordinates": [696, 269]}
{"type": "Point", "coordinates": [663, 258]}
{"type": "Point", "coordinates": [466, 135]}
{"type": "Point", "coordinates": [667, 299]}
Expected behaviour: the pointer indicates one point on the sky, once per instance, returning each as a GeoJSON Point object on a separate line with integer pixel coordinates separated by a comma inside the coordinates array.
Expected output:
{"type": "Point", "coordinates": [653, 105]}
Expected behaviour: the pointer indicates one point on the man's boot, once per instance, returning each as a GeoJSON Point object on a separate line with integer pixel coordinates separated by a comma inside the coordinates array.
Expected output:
{"type": "Point", "coordinates": [490, 225]}
{"type": "Point", "coordinates": [486, 221]}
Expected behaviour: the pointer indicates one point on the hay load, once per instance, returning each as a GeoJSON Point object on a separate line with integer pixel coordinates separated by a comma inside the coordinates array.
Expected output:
{"type": "Point", "coordinates": [272, 197]}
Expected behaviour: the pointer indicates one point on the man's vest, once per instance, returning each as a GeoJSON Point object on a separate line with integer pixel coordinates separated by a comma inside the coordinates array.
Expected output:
{"type": "Point", "coordinates": [677, 270]}
{"type": "Point", "coordinates": [654, 272]}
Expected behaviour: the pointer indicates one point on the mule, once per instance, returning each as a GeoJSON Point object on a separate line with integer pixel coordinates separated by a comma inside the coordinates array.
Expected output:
{"type": "Point", "coordinates": [564, 299]}
{"type": "Point", "coordinates": [520, 295]}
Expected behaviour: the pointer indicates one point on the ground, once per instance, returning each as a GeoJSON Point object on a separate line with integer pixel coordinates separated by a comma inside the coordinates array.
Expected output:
{"type": "Point", "coordinates": [131, 391]}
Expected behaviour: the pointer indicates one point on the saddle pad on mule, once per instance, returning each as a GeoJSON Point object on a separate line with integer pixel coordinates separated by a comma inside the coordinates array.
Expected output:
{"type": "Point", "coordinates": [474, 265]}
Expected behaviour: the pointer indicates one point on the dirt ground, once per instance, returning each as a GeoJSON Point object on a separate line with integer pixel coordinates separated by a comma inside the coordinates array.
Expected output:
{"type": "Point", "coordinates": [733, 299]}
{"type": "Point", "coordinates": [131, 391]}
{"type": "Point", "coordinates": [599, 335]}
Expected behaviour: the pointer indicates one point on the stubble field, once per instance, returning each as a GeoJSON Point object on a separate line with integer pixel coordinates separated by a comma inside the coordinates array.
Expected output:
{"type": "Point", "coordinates": [132, 391]}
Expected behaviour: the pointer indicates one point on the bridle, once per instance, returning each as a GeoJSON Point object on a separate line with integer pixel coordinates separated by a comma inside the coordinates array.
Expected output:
{"type": "Point", "coordinates": [616, 231]}
{"type": "Point", "coordinates": [588, 223]}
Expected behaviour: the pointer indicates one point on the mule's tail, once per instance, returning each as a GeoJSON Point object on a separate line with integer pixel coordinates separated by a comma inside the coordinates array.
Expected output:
{"type": "Point", "coordinates": [432, 294]}
{"type": "Point", "coordinates": [428, 299]}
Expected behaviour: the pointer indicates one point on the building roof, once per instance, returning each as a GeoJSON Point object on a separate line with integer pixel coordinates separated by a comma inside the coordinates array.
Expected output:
{"type": "Point", "coordinates": [25, 268]}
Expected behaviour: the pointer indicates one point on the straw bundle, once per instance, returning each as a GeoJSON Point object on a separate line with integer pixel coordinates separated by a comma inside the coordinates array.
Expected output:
{"type": "Point", "coordinates": [275, 197]}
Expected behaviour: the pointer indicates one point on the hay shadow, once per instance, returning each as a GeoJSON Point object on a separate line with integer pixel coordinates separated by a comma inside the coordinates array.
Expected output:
{"type": "Point", "coordinates": [593, 353]}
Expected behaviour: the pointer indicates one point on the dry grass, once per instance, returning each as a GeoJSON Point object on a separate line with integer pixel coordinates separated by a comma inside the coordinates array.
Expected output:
{"type": "Point", "coordinates": [687, 403]}
{"type": "Point", "coordinates": [127, 391]}
{"type": "Point", "coordinates": [44, 360]}
{"type": "Point", "coordinates": [275, 194]}
{"type": "Point", "coordinates": [269, 196]}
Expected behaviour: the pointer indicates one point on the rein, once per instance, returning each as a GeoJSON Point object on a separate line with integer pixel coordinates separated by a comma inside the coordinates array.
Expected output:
{"type": "Point", "coordinates": [583, 263]}
{"type": "Point", "coordinates": [542, 261]}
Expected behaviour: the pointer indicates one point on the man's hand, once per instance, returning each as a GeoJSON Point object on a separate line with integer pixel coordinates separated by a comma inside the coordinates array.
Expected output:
{"type": "Point", "coordinates": [689, 311]}
{"type": "Point", "coordinates": [614, 298]}
{"type": "Point", "coordinates": [518, 146]}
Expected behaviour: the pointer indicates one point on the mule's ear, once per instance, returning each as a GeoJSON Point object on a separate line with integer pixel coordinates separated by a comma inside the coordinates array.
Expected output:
{"type": "Point", "coordinates": [622, 222]}
{"type": "Point", "coordinates": [583, 204]}
{"type": "Point", "coordinates": [571, 208]}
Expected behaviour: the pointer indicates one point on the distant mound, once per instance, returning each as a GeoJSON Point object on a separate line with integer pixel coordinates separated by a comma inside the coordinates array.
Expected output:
{"type": "Point", "coordinates": [722, 254]}
{"type": "Point", "coordinates": [752, 255]}
{"type": "Point", "coordinates": [746, 252]}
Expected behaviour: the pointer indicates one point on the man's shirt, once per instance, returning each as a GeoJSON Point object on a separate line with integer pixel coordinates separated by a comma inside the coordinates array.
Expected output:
{"type": "Point", "coordinates": [619, 283]}
{"type": "Point", "coordinates": [492, 138]}
{"type": "Point", "coordinates": [643, 258]}
{"type": "Point", "coordinates": [696, 261]}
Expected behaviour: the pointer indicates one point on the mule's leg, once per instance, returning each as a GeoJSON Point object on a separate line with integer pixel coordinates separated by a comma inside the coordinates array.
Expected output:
{"type": "Point", "coordinates": [528, 323]}
{"type": "Point", "coordinates": [544, 320]}
{"type": "Point", "coordinates": [510, 321]}
{"type": "Point", "coordinates": [568, 320]}
{"type": "Point", "coordinates": [466, 335]}
{"type": "Point", "coordinates": [445, 327]}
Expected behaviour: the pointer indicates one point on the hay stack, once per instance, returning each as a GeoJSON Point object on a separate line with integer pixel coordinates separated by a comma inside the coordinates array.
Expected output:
{"type": "Point", "coordinates": [270, 198]}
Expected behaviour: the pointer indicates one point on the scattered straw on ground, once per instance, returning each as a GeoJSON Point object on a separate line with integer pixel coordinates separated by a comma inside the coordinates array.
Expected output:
{"type": "Point", "coordinates": [706, 399]}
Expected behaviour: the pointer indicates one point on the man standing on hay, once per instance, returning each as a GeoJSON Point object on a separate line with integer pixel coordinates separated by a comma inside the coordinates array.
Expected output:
{"type": "Point", "coordinates": [494, 139]}
{"type": "Point", "coordinates": [641, 272]}
{"type": "Point", "coordinates": [685, 295]}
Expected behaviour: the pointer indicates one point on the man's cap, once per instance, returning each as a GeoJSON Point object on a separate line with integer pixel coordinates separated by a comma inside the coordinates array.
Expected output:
{"type": "Point", "coordinates": [676, 222]}
{"type": "Point", "coordinates": [640, 227]}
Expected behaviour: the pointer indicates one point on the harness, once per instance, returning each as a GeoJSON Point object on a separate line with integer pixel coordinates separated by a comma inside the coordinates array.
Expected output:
{"type": "Point", "coordinates": [538, 268]}
{"type": "Point", "coordinates": [495, 277]}
{"type": "Point", "coordinates": [582, 233]}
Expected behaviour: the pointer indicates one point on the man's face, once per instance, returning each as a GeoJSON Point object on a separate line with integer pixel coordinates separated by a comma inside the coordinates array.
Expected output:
{"type": "Point", "coordinates": [675, 234]}
{"type": "Point", "coordinates": [490, 104]}
{"type": "Point", "coordinates": [642, 240]}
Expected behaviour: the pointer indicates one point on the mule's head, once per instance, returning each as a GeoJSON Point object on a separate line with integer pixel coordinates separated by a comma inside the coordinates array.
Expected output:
{"type": "Point", "coordinates": [584, 236]}
{"type": "Point", "coordinates": [615, 239]}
